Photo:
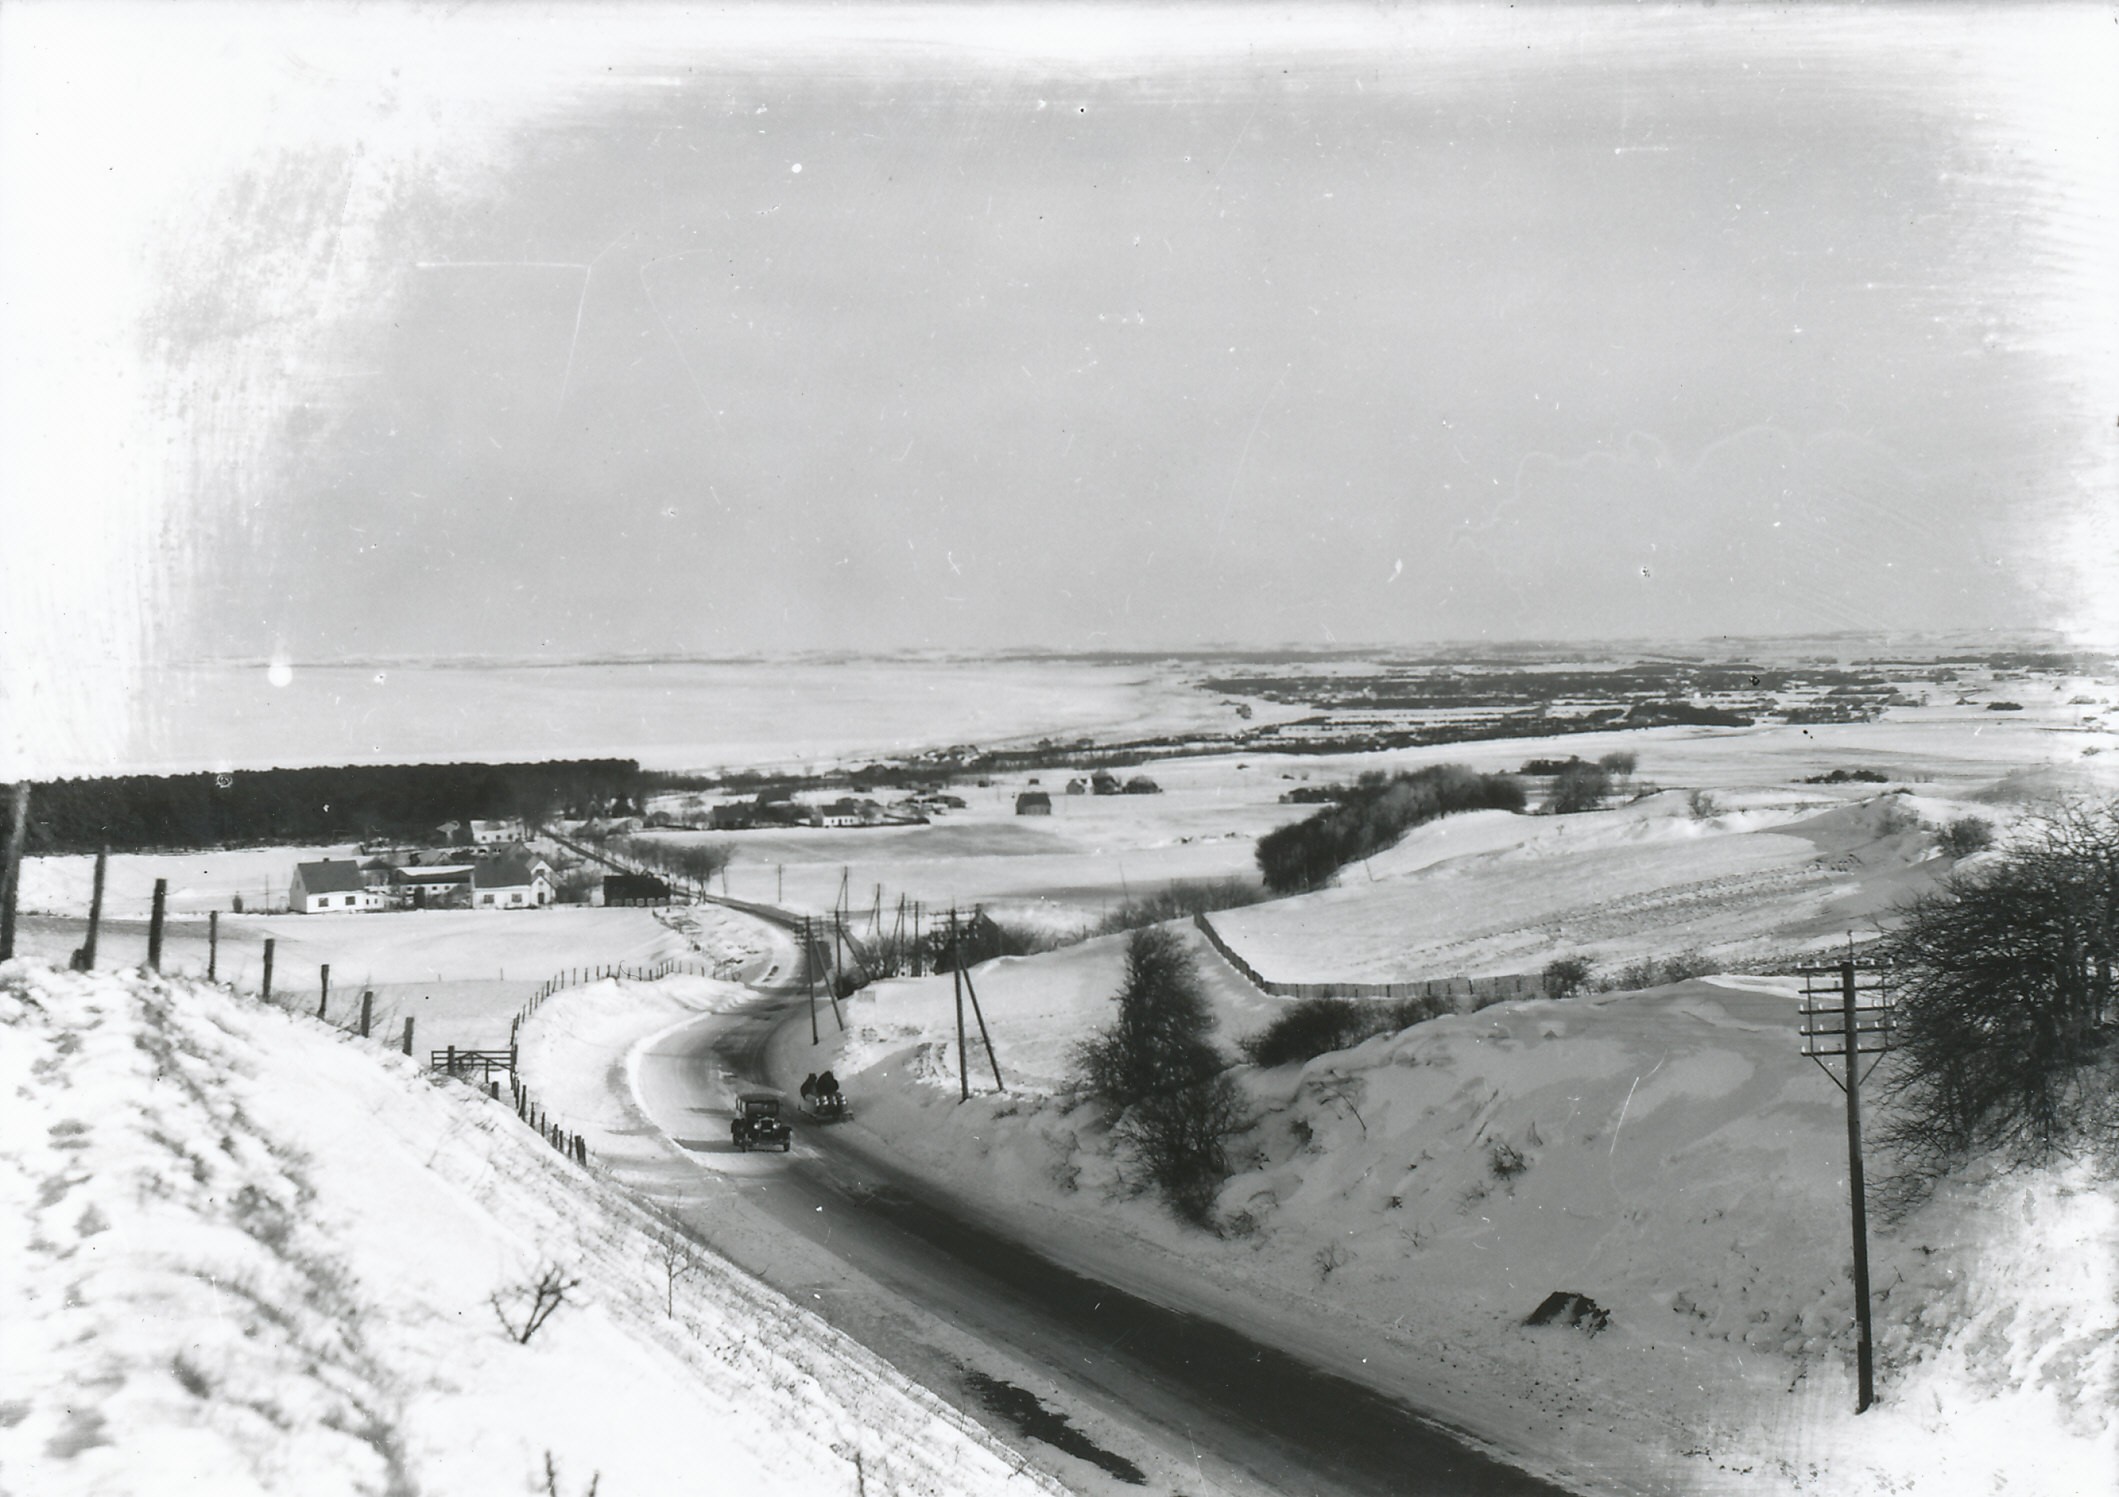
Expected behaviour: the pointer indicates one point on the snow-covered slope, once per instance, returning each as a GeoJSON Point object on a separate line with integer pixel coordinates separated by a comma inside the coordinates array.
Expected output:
{"type": "Point", "coordinates": [1775, 872]}
{"type": "Point", "coordinates": [245, 1254]}
{"type": "Point", "coordinates": [1399, 1209]}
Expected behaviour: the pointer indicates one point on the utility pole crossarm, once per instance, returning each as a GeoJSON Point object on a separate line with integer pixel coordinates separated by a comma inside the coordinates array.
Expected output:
{"type": "Point", "coordinates": [1847, 1013]}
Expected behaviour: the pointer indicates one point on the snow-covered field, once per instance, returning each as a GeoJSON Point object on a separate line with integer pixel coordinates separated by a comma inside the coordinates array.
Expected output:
{"type": "Point", "coordinates": [1495, 892]}
{"type": "Point", "coordinates": [1064, 870]}
{"type": "Point", "coordinates": [1399, 1209]}
{"type": "Point", "coordinates": [1093, 852]}
{"type": "Point", "coordinates": [247, 1255]}
{"type": "Point", "coordinates": [459, 975]}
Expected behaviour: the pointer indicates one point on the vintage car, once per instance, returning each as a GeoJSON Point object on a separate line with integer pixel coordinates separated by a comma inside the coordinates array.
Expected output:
{"type": "Point", "coordinates": [758, 1124]}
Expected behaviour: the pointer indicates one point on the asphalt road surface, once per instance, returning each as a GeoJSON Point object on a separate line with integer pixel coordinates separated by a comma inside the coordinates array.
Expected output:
{"type": "Point", "coordinates": [1107, 1390]}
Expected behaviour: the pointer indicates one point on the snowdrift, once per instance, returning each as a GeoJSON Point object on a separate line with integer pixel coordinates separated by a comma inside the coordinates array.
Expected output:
{"type": "Point", "coordinates": [245, 1254]}
{"type": "Point", "coordinates": [1402, 1208]}
{"type": "Point", "coordinates": [1776, 873]}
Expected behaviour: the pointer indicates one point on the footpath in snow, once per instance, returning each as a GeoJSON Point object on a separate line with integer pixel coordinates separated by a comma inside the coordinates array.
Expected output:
{"type": "Point", "coordinates": [247, 1254]}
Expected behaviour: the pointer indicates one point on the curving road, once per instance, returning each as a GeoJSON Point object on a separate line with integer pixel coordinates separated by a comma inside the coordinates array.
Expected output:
{"type": "Point", "coordinates": [1121, 1393]}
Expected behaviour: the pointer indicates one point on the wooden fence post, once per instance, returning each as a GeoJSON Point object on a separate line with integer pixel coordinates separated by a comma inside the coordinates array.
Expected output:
{"type": "Point", "coordinates": [323, 996]}
{"type": "Point", "coordinates": [268, 968]}
{"type": "Point", "coordinates": [367, 1009]}
{"type": "Point", "coordinates": [95, 912]}
{"type": "Point", "coordinates": [408, 1034]}
{"type": "Point", "coordinates": [154, 925]}
{"type": "Point", "coordinates": [11, 865]}
{"type": "Point", "coordinates": [213, 945]}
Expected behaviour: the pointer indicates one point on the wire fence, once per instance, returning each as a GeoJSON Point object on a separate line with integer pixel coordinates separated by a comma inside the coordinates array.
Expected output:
{"type": "Point", "coordinates": [1464, 993]}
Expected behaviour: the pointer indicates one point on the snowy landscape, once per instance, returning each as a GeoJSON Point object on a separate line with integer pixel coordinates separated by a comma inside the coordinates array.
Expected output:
{"type": "Point", "coordinates": [934, 749]}
{"type": "Point", "coordinates": [1393, 1209]}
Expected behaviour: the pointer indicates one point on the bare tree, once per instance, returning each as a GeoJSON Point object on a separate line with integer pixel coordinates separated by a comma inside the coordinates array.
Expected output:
{"type": "Point", "coordinates": [523, 1309]}
{"type": "Point", "coordinates": [2006, 1007]}
{"type": "Point", "coordinates": [678, 1256]}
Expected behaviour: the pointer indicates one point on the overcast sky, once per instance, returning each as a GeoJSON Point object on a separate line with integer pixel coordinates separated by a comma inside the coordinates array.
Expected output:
{"type": "Point", "coordinates": [544, 330]}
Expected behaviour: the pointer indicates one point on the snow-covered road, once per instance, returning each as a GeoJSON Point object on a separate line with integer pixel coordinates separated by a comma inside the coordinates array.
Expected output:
{"type": "Point", "coordinates": [1170, 1391]}
{"type": "Point", "coordinates": [1123, 1392]}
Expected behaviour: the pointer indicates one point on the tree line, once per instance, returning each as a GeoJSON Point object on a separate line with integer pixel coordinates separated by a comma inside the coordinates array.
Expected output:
{"type": "Point", "coordinates": [353, 802]}
{"type": "Point", "coordinates": [1373, 813]}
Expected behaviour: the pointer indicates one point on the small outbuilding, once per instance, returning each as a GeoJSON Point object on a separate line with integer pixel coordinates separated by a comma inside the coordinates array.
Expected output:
{"type": "Point", "coordinates": [1033, 803]}
{"type": "Point", "coordinates": [333, 886]}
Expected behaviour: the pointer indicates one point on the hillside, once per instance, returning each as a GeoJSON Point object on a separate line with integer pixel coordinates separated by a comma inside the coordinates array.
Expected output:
{"type": "Point", "coordinates": [1770, 872]}
{"type": "Point", "coordinates": [1399, 1209]}
{"type": "Point", "coordinates": [245, 1254]}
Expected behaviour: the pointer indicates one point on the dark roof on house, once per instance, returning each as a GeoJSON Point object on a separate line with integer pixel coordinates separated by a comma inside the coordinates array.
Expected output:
{"type": "Point", "coordinates": [511, 870]}
{"type": "Point", "coordinates": [332, 876]}
{"type": "Point", "coordinates": [455, 875]}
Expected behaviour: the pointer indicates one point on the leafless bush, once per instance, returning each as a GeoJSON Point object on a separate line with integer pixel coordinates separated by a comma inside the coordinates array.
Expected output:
{"type": "Point", "coordinates": [1967, 835]}
{"type": "Point", "coordinates": [551, 1479]}
{"type": "Point", "coordinates": [1702, 806]}
{"type": "Point", "coordinates": [678, 1256]}
{"type": "Point", "coordinates": [1182, 1139]}
{"type": "Point", "coordinates": [1505, 1159]}
{"type": "Point", "coordinates": [1895, 816]}
{"type": "Point", "coordinates": [1655, 971]}
{"type": "Point", "coordinates": [522, 1309]}
{"type": "Point", "coordinates": [1566, 976]}
{"type": "Point", "coordinates": [2007, 1006]}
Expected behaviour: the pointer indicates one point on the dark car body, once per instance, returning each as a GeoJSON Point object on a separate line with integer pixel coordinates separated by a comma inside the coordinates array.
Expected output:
{"type": "Point", "coordinates": [758, 1124]}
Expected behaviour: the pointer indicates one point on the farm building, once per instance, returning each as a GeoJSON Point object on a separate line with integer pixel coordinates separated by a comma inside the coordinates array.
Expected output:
{"type": "Point", "coordinates": [516, 880]}
{"type": "Point", "coordinates": [439, 887]}
{"type": "Point", "coordinates": [333, 886]}
{"type": "Point", "coordinates": [1033, 803]}
{"type": "Point", "coordinates": [850, 812]}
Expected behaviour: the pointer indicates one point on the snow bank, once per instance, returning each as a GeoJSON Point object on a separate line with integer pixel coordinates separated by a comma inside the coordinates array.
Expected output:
{"type": "Point", "coordinates": [247, 1255]}
{"type": "Point", "coordinates": [1399, 1209]}
{"type": "Point", "coordinates": [1496, 893]}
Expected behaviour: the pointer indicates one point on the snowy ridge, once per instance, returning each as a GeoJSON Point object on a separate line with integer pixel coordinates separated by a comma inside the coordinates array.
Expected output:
{"type": "Point", "coordinates": [247, 1254]}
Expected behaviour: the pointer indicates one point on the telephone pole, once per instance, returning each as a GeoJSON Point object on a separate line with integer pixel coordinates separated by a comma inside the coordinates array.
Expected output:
{"type": "Point", "coordinates": [1848, 1012]}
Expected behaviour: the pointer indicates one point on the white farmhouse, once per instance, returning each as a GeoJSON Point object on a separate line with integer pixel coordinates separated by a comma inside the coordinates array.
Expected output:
{"type": "Point", "coordinates": [516, 880]}
{"type": "Point", "coordinates": [334, 887]}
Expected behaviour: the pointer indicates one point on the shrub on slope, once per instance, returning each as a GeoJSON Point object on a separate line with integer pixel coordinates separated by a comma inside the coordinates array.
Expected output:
{"type": "Point", "coordinates": [1318, 1026]}
{"type": "Point", "coordinates": [1155, 1066]}
{"type": "Point", "coordinates": [1374, 813]}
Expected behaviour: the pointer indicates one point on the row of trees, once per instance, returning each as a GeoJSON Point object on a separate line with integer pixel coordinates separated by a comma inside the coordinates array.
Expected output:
{"type": "Point", "coordinates": [341, 803]}
{"type": "Point", "coordinates": [1372, 814]}
{"type": "Point", "coordinates": [698, 861]}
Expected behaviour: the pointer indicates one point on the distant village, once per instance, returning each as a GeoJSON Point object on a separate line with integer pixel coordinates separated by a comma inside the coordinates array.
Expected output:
{"type": "Point", "coordinates": [491, 865]}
